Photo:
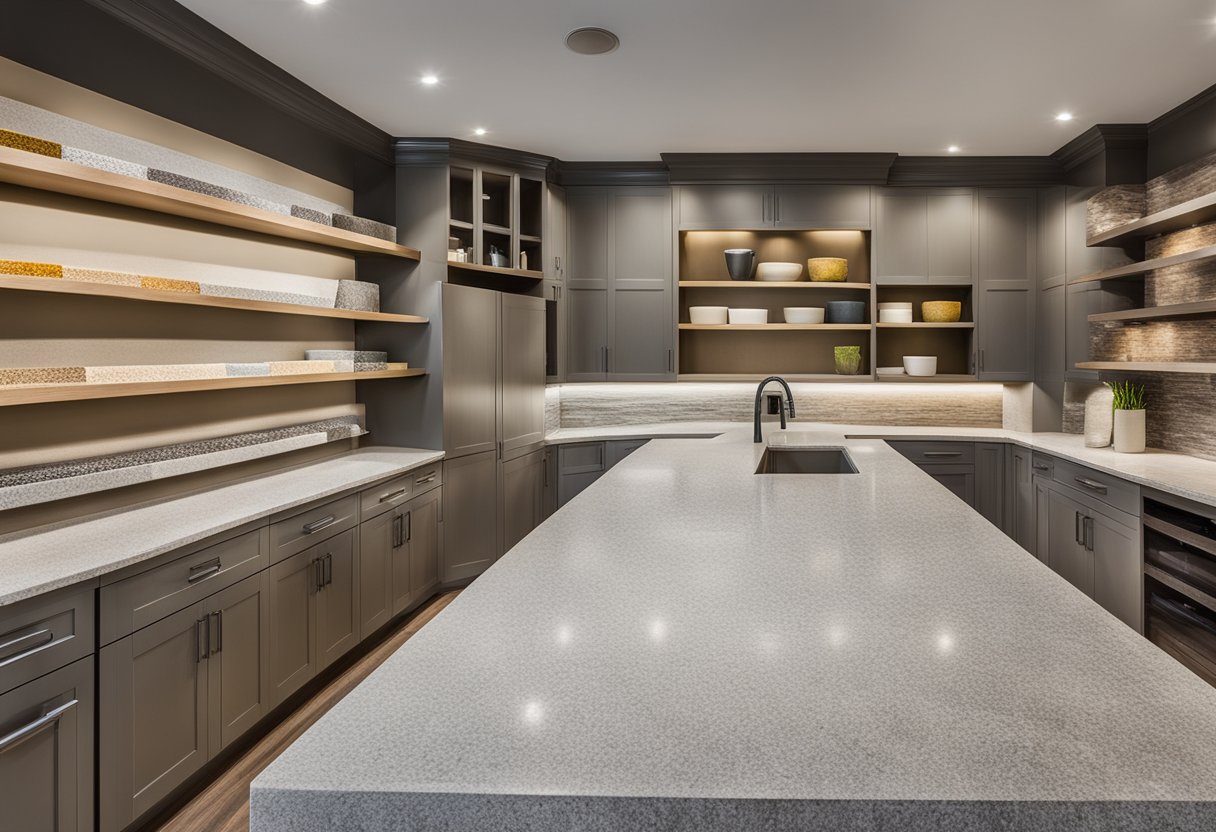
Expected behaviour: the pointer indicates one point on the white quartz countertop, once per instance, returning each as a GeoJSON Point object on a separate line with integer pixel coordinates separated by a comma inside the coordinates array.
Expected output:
{"type": "Point", "coordinates": [689, 646]}
{"type": "Point", "coordinates": [51, 557]}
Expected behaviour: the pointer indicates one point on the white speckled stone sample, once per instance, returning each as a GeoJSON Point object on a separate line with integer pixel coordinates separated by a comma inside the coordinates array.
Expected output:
{"type": "Point", "coordinates": [189, 183]}
{"type": "Point", "coordinates": [127, 373]}
{"type": "Point", "coordinates": [255, 368]}
{"type": "Point", "coordinates": [264, 294]}
{"type": "Point", "coordinates": [358, 294]}
{"type": "Point", "coordinates": [101, 276]}
{"type": "Point", "coordinates": [44, 559]}
{"type": "Point", "coordinates": [102, 162]}
{"type": "Point", "coordinates": [368, 228]}
{"type": "Point", "coordinates": [689, 646]}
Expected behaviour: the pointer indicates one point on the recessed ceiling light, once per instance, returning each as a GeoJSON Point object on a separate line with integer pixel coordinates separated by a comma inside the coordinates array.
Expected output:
{"type": "Point", "coordinates": [953, 148]}
{"type": "Point", "coordinates": [592, 40]}
{"type": "Point", "coordinates": [430, 79]}
{"type": "Point", "coordinates": [1064, 116]}
{"type": "Point", "coordinates": [314, 2]}
{"type": "Point", "coordinates": [479, 131]}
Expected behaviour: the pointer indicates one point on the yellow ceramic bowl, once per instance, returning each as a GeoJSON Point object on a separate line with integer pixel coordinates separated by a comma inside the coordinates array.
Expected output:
{"type": "Point", "coordinates": [828, 269]}
{"type": "Point", "coordinates": [941, 311]}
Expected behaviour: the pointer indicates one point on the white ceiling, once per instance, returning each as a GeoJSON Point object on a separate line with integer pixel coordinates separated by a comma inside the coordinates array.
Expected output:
{"type": "Point", "coordinates": [910, 76]}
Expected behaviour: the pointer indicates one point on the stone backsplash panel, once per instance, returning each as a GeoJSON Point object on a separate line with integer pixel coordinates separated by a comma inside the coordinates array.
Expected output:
{"type": "Point", "coordinates": [1113, 206]}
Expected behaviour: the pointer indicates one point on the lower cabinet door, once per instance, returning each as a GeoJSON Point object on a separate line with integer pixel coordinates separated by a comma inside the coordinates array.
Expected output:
{"type": "Point", "coordinates": [960, 479]}
{"type": "Point", "coordinates": [990, 482]}
{"type": "Point", "coordinates": [46, 752]}
{"type": "Point", "coordinates": [1118, 569]}
{"type": "Point", "coordinates": [153, 714]}
{"type": "Point", "coordinates": [291, 656]}
{"type": "Point", "coordinates": [1021, 480]}
{"type": "Point", "coordinates": [422, 534]}
{"type": "Point", "coordinates": [337, 602]}
{"type": "Point", "coordinates": [470, 528]}
{"type": "Point", "coordinates": [376, 580]}
{"type": "Point", "coordinates": [1066, 554]}
{"type": "Point", "coordinates": [522, 486]}
{"type": "Point", "coordinates": [239, 693]}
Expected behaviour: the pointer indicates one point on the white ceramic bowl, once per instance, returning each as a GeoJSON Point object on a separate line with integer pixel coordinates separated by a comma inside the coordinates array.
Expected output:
{"type": "Point", "coordinates": [712, 315]}
{"type": "Point", "coordinates": [803, 314]}
{"type": "Point", "coordinates": [748, 316]}
{"type": "Point", "coordinates": [883, 306]}
{"type": "Point", "coordinates": [895, 316]}
{"type": "Point", "coordinates": [890, 371]}
{"type": "Point", "coordinates": [781, 272]}
{"type": "Point", "coordinates": [920, 365]}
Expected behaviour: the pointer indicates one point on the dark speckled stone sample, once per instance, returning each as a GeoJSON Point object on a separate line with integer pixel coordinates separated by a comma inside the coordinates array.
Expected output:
{"type": "Point", "coordinates": [311, 214]}
{"type": "Point", "coordinates": [358, 294]}
{"type": "Point", "coordinates": [368, 228]}
{"type": "Point", "coordinates": [219, 192]}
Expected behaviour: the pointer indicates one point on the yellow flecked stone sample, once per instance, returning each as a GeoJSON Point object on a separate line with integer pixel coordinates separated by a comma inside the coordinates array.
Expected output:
{"type": "Point", "coordinates": [30, 144]}
{"type": "Point", "coordinates": [166, 284]}
{"type": "Point", "coordinates": [291, 368]}
{"type": "Point", "coordinates": [101, 276]}
{"type": "Point", "coordinates": [41, 375]}
{"type": "Point", "coordinates": [27, 268]}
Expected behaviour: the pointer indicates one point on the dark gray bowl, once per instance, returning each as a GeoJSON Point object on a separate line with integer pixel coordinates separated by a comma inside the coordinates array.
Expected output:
{"type": "Point", "coordinates": [740, 263]}
{"type": "Point", "coordinates": [845, 312]}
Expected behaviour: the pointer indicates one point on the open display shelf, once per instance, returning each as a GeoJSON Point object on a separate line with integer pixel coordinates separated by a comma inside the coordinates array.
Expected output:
{"type": "Point", "coordinates": [774, 284]}
{"type": "Point", "coordinates": [1184, 367]}
{"type": "Point", "coordinates": [43, 393]}
{"type": "Point", "coordinates": [490, 209]}
{"type": "Point", "coordinates": [526, 274]}
{"type": "Point", "coordinates": [112, 290]}
{"type": "Point", "coordinates": [927, 325]}
{"type": "Point", "coordinates": [1192, 212]}
{"type": "Point", "coordinates": [1142, 268]}
{"type": "Point", "coordinates": [46, 173]}
{"type": "Point", "coordinates": [775, 327]}
{"type": "Point", "coordinates": [1194, 309]}
{"type": "Point", "coordinates": [940, 378]}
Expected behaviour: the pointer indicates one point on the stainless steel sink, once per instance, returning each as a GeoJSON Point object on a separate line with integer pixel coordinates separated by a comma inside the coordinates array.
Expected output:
{"type": "Point", "coordinates": [806, 461]}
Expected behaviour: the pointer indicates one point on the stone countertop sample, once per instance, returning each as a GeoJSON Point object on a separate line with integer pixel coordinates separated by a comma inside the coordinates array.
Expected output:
{"type": "Point", "coordinates": [1174, 473]}
{"type": "Point", "coordinates": [689, 646]}
{"type": "Point", "coordinates": [50, 557]}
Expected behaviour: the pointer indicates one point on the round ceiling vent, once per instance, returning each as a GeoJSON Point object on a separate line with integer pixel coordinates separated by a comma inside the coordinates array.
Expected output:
{"type": "Point", "coordinates": [592, 40]}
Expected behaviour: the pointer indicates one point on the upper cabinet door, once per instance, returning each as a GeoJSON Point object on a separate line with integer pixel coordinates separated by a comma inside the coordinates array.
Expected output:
{"type": "Point", "coordinates": [822, 206]}
{"type": "Point", "coordinates": [587, 284]}
{"type": "Point", "coordinates": [901, 237]}
{"type": "Point", "coordinates": [1006, 285]}
{"type": "Point", "coordinates": [951, 231]}
{"type": "Point", "coordinates": [521, 401]}
{"type": "Point", "coordinates": [641, 310]}
{"type": "Point", "coordinates": [716, 207]}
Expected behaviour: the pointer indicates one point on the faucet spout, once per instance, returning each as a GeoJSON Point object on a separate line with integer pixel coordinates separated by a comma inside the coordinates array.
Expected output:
{"type": "Point", "coordinates": [757, 436]}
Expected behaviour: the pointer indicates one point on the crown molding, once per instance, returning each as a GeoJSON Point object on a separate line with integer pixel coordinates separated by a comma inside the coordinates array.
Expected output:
{"type": "Point", "coordinates": [977, 171]}
{"type": "Point", "coordinates": [826, 168]}
{"type": "Point", "coordinates": [1124, 138]}
{"type": "Point", "coordinates": [441, 151]}
{"type": "Point", "coordinates": [611, 173]}
{"type": "Point", "coordinates": [176, 27]}
{"type": "Point", "coordinates": [1204, 98]}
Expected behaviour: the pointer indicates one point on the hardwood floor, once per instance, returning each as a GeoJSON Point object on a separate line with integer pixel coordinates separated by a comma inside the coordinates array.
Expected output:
{"type": "Point", "coordinates": [223, 806]}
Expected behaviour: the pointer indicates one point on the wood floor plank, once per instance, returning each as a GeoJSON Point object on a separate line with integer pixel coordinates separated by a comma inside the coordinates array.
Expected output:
{"type": "Point", "coordinates": [223, 806]}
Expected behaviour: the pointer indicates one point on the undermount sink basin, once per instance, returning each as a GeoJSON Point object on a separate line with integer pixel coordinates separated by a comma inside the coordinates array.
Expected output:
{"type": "Point", "coordinates": [806, 461]}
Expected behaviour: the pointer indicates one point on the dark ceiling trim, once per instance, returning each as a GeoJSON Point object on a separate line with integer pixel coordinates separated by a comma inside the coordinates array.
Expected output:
{"type": "Point", "coordinates": [1122, 138]}
{"type": "Point", "coordinates": [828, 168]}
{"type": "Point", "coordinates": [179, 29]}
{"type": "Point", "coordinates": [1191, 104]}
{"type": "Point", "coordinates": [977, 171]}
{"type": "Point", "coordinates": [441, 151]}
{"type": "Point", "coordinates": [611, 173]}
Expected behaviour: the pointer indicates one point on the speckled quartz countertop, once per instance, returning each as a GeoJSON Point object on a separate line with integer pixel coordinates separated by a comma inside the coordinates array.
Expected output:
{"type": "Point", "coordinates": [687, 646]}
{"type": "Point", "coordinates": [57, 556]}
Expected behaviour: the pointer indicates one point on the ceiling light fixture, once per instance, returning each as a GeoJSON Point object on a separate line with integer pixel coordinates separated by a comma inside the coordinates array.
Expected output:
{"type": "Point", "coordinates": [1064, 116]}
{"type": "Point", "coordinates": [953, 148]}
{"type": "Point", "coordinates": [479, 131]}
{"type": "Point", "coordinates": [592, 40]}
{"type": "Point", "coordinates": [429, 80]}
{"type": "Point", "coordinates": [314, 2]}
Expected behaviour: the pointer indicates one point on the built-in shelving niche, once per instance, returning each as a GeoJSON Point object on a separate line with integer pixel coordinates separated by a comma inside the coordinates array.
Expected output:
{"type": "Point", "coordinates": [805, 353]}
{"type": "Point", "coordinates": [496, 211]}
{"type": "Point", "coordinates": [953, 344]}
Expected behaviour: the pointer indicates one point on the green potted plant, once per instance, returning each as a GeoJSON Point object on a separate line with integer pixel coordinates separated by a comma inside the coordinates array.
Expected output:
{"type": "Point", "coordinates": [1129, 416]}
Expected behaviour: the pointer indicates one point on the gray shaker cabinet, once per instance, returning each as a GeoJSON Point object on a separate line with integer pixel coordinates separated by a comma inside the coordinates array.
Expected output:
{"type": "Point", "coordinates": [237, 673]}
{"type": "Point", "coordinates": [925, 236]}
{"type": "Point", "coordinates": [46, 752]}
{"type": "Point", "coordinates": [990, 482]}
{"type": "Point", "coordinates": [959, 479]}
{"type": "Point", "coordinates": [377, 547]}
{"type": "Point", "coordinates": [522, 483]}
{"type": "Point", "coordinates": [723, 207]}
{"type": "Point", "coordinates": [727, 207]}
{"type": "Point", "coordinates": [521, 383]}
{"type": "Point", "coordinates": [398, 560]}
{"type": "Point", "coordinates": [470, 527]}
{"type": "Point", "coordinates": [822, 206]}
{"type": "Point", "coordinates": [1021, 502]}
{"type": "Point", "coordinates": [1006, 285]}
{"type": "Point", "coordinates": [423, 535]}
{"type": "Point", "coordinates": [587, 284]}
{"type": "Point", "coordinates": [336, 601]}
{"type": "Point", "coordinates": [470, 370]}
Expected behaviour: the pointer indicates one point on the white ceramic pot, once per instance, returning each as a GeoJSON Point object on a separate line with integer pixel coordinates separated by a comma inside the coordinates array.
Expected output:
{"type": "Point", "coordinates": [803, 314]}
{"type": "Point", "coordinates": [707, 315]}
{"type": "Point", "coordinates": [1129, 431]}
{"type": "Point", "coordinates": [780, 272]}
{"type": "Point", "coordinates": [883, 306]}
{"type": "Point", "coordinates": [748, 316]}
{"type": "Point", "coordinates": [920, 365]}
{"type": "Point", "coordinates": [895, 316]}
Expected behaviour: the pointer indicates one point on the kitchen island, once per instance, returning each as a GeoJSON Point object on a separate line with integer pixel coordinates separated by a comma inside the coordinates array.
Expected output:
{"type": "Point", "coordinates": [690, 646]}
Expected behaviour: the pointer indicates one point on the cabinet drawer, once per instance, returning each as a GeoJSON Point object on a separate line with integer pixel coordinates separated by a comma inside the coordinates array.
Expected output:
{"type": "Point", "coordinates": [1113, 491]}
{"type": "Point", "coordinates": [580, 458]}
{"type": "Point", "coordinates": [923, 453]}
{"type": "Point", "coordinates": [618, 449]}
{"type": "Point", "coordinates": [427, 478]}
{"type": "Point", "coordinates": [1042, 465]}
{"type": "Point", "coordinates": [399, 490]}
{"type": "Point", "coordinates": [144, 599]}
{"type": "Point", "coordinates": [297, 533]}
{"type": "Point", "coordinates": [44, 634]}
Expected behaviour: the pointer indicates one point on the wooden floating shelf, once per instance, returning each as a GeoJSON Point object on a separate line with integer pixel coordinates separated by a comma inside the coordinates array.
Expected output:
{"type": "Point", "coordinates": [1142, 268]}
{"type": "Point", "coordinates": [770, 284]}
{"type": "Point", "coordinates": [1190, 367]}
{"type": "Point", "coordinates": [773, 327]}
{"type": "Point", "coordinates": [1192, 212]}
{"type": "Point", "coordinates": [112, 290]}
{"type": "Point", "coordinates": [43, 393]}
{"type": "Point", "coordinates": [47, 173]}
{"type": "Point", "coordinates": [476, 267]}
{"type": "Point", "coordinates": [941, 378]}
{"type": "Point", "coordinates": [1173, 310]}
{"type": "Point", "coordinates": [927, 325]}
{"type": "Point", "coordinates": [754, 378]}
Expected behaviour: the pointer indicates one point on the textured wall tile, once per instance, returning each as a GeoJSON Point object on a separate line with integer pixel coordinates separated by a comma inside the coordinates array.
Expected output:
{"type": "Point", "coordinates": [358, 356]}
{"type": "Point", "coordinates": [128, 373]}
{"type": "Point", "coordinates": [269, 295]}
{"type": "Point", "coordinates": [312, 215]}
{"type": "Point", "coordinates": [553, 408]}
{"type": "Point", "coordinates": [369, 228]}
{"type": "Point", "coordinates": [1187, 182]}
{"type": "Point", "coordinates": [358, 294]}
{"type": "Point", "coordinates": [1181, 340]}
{"type": "Point", "coordinates": [101, 276]}
{"type": "Point", "coordinates": [107, 163]}
{"type": "Point", "coordinates": [1114, 206]}
{"type": "Point", "coordinates": [26, 268]}
{"type": "Point", "coordinates": [30, 144]}
{"type": "Point", "coordinates": [218, 191]}
{"type": "Point", "coordinates": [165, 284]}
{"type": "Point", "coordinates": [42, 375]}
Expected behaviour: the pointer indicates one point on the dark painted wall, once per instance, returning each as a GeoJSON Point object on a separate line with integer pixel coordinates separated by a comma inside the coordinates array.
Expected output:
{"type": "Point", "coordinates": [1183, 134]}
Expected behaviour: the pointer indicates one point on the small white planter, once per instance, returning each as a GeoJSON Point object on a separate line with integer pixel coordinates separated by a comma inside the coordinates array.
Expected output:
{"type": "Point", "coordinates": [1129, 431]}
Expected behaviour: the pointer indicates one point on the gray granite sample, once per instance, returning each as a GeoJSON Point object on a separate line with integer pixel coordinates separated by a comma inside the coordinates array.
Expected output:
{"type": "Point", "coordinates": [312, 215]}
{"type": "Point", "coordinates": [370, 366]}
{"type": "Point", "coordinates": [358, 294]}
{"type": "Point", "coordinates": [106, 163]}
{"type": "Point", "coordinates": [215, 290]}
{"type": "Point", "coordinates": [368, 228]}
{"type": "Point", "coordinates": [256, 368]}
{"type": "Point", "coordinates": [218, 191]}
{"type": "Point", "coordinates": [357, 356]}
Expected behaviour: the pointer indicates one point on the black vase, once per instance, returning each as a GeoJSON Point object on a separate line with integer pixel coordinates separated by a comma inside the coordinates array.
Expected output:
{"type": "Point", "coordinates": [740, 262]}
